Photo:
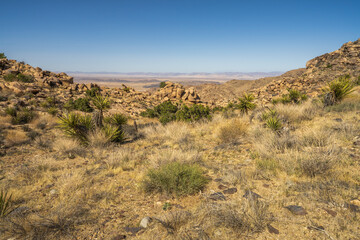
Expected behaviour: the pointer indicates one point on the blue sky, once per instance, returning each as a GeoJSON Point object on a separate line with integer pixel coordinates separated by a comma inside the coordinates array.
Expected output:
{"type": "Point", "coordinates": [175, 35]}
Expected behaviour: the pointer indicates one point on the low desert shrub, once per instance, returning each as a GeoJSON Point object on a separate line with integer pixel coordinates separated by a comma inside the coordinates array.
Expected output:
{"type": "Point", "coordinates": [162, 84]}
{"type": "Point", "coordinates": [316, 163]}
{"type": "Point", "coordinates": [93, 92]}
{"type": "Point", "coordinates": [2, 55]}
{"type": "Point", "coordinates": [80, 104]}
{"type": "Point", "coordinates": [20, 116]}
{"type": "Point", "coordinates": [232, 131]}
{"type": "Point", "coordinates": [294, 96]}
{"type": "Point", "coordinates": [10, 77]}
{"type": "Point", "coordinates": [175, 178]}
{"type": "Point", "coordinates": [25, 78]}
{"type": "Point", "coordinates": [53, 111]}
{"type": "Point", "coordinates": [167, 112]}
{"type": "Point", "coordinates": [193, 113]}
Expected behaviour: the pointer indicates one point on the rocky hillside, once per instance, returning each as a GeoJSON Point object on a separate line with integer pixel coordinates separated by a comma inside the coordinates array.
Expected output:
{"type": "Point", "coordinates": [24, 85]}
{"type": "Point", "coordinates": [309, 80]}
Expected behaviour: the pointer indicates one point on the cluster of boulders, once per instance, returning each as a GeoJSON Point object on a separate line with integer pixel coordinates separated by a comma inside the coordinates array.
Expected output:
{"type": "Point", "coordinates": [43, 77]}
{"type": "Point", "coordinates": [175, 91]}
{"type": "Point", "coordinates": [61, 86]}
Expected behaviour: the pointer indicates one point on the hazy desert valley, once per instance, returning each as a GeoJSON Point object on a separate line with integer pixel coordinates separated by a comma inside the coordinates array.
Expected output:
{"type": "Point", "coordinates": [272, 158]}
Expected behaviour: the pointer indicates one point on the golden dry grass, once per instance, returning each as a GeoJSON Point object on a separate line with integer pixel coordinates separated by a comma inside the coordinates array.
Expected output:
{"type": "Point", "coordinates": [95, 192]}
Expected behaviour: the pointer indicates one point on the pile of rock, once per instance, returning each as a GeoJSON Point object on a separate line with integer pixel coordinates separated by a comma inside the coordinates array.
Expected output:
{"type": "Point", "coordinates": [175, 91]}
{"type": "Point", "coordinates": [44, 77]}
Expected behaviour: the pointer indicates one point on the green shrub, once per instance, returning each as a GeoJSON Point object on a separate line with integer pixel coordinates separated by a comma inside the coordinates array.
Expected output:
{"type": "Point", "coordinates": [80, 104]}
{"type": "Point", "coordinates": [93, 92]}
{"type": "Point", "coordinates": [21, 116]}
{"type": "Point", "coordinates": [2, 55]}
{"type": "Point", "coordinates": [162, 84]}
{"type": "Point", "coordinates": [193, 113]}
{"type": "Point", "coordinates": [274, 124]}
{"type": "Point", "coordinates": [164, 111]}
{"type": "Point", "coordinates": [53, 111]}
{"type": "Point", "coordinates": [4, 204]}
{"type": "Point", "coordinates": [25, 78]}
{"type": "Point", "coordinates": [11, 111]}
{"type": "Point", "coordinates": [10, 77]}
{"type": "Point", "coordinates": [246, 103]}
{"type": "Point", "coordinates": [175, 178]}
{"type": "Point", "coordinates": [337, 90]}
{"type": "Point", "coordinates": [167, 112]}
{"type": "Point", "coordinates": [294, 96]}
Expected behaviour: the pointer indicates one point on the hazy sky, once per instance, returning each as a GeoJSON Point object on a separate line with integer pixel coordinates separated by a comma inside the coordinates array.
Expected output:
{"type": "Point", "coordinates": [175, 35]}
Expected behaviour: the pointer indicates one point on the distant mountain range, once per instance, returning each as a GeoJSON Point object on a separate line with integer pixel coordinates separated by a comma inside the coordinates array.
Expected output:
{"type": "Point", "coordinates": [156, 75]}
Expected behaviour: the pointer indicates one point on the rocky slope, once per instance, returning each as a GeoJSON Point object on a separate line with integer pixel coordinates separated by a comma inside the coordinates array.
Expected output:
{"type": "Point", "coordinates": [309, 80]}
{"type": "Point", "coordinates": [44, 84]}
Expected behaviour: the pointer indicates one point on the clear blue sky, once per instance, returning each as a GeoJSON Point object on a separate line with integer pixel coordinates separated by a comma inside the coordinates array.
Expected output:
{"type": "Point", "coordinates": [175, 35]}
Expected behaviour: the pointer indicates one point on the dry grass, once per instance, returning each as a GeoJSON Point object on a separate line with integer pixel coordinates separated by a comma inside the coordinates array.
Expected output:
{"type": "Point", "coordinates": [15, 137]}
{"type": "Point", "coordinates": [294, 113]}
{"type": "Point", "coordinates": [71, 191]}
{"type": "Point", "coordinates": [231, 131]}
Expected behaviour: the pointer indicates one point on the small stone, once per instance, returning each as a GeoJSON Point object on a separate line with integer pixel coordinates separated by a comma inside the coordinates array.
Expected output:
{"type": "Point", "coordinates": [331, 212]}
{"type": "Point", "coordinates": [133, 230]}
{"type": "Point", "coordinates": [144, 223]}
{"type": "Point", "coordinates": [338, 120]}
{"type": "Point", "coordinates": [53, 192]}
{"type": "Point", "coordinates": [250, 194]}
{"type": "Point", "coordinates": [271, 229]}
{"type": "Point", "coordinates": [230, 191]}
{"type": "Point", "coordinates": [218, 196]}
{"type": "Point", "coordinates": [119, 237]}
{"type": "Point", "coordinates": [221, 187]}
{"type": "Point", "coordinates": [352, 207]}
{"type": "Point", "coordinates": [297, 210]}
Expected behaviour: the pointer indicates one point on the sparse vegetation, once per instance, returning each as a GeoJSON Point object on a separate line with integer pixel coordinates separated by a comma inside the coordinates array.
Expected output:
{"type": "Point", "coordinates": [80, 104]}
{"type": "Point", "coordinates": [294, 96]}
{"type": "Point", "coordinates": [20, 116]}
{"type": "Point", "coordinates": [93, 92]}
{"type": "Point", "coordinates": [2, 55]}
{"type": "Point", "coordinates": [175, 178]}
{"type": "Point", "coordinates": [162, 84]}
{"type": "Point", "coordinates": [167, 112]}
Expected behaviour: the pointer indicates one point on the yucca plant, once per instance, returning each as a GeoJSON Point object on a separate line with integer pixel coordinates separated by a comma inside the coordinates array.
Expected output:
{"type": "Point", "coordinates": [116, 119]}
{"type": "Point", "coordinates": [269, 114]}
{"type": "Point", "coordinates": [114, 133]}
{"type": "Point", "coordinates": [337, 90]}
{"type": "Point", "coordinates": [76, 126]}
{"type": "Point", "coordinates": [5, 204]}
{"type": "Point", "coordinates": [274, 124]}
{"type": "Point", "coordinates": [101, 104]}
{"type": "Point", "coordinates": [246, 103]}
